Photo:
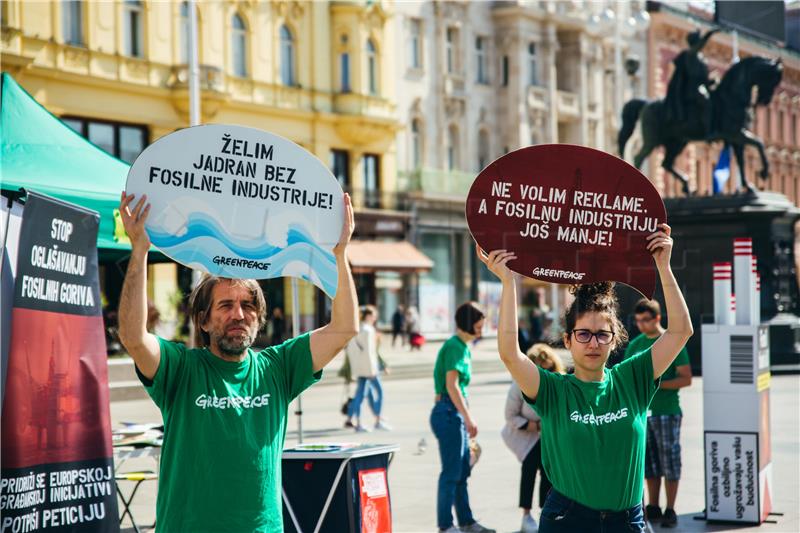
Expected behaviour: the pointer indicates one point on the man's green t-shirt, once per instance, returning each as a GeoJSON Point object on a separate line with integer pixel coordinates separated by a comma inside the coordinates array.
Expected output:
{"type": "Point", "coordinates": [453, 355]}
{"type": "Point", "coordinates": [593, 434]}
{"type": "Point", "coordinates": [666, 401]}
{"type": "Point", "coordinates": [224, 428]}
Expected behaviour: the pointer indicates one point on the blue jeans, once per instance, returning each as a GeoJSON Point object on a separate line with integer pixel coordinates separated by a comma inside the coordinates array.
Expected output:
{"type": "Point", "coordinates": [448, 426]}
{"type": "Point", "coordinates": [563, 515]}
{"type": "Point", "coordinates": [370, 388]}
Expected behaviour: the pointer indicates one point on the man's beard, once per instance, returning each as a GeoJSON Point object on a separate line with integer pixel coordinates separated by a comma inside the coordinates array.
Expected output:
{"type": "Point", "coordinates": [236, 345]}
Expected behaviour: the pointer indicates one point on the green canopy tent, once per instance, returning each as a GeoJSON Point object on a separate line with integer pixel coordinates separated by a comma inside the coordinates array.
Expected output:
{"type": "Point", "coordinates": [41, 153]}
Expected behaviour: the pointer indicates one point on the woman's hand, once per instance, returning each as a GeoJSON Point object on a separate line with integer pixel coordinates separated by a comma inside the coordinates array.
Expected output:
{"type": "Point", "coordinates": [660, 245]}
{"type": "Point", "coordinates": [496, 262]}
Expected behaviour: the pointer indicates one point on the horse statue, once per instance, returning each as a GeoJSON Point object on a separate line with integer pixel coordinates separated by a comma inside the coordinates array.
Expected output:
{"type": "Point", "coordinates": [729, 112]}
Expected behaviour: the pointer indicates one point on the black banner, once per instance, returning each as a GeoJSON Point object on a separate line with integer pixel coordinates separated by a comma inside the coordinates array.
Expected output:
{"type": "Point", "coordinates": [57, 269]}
{"type": "Point", "coordinates": [57, 457]}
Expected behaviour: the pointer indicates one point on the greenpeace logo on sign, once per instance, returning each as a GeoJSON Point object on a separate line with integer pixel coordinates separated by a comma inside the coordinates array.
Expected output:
{"type": "Point", "coordinates": [237, 262]}
{"type": "Point", "coordinates": [556, 273]}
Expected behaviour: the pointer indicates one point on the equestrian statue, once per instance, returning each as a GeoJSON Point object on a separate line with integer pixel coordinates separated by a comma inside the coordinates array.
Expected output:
{"type": "Point", "coordinates": [695, 110]}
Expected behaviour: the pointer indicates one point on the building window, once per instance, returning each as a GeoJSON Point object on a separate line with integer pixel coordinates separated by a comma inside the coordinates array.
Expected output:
{"type": "Point", "coordinates": [372, 68]}
{"type": "Point", "coordinates": [483, 149]}
{"type": "Point", "coordinates": [340, 166]}
{"type": "Point", "coordinates": [451, 50]}
{"type": "Point", "coordinates": [415, 44]}
{"type": "Point", "coordinates": [533, 65]}
{"type": "Point", "coordinates": [239, 46]}
{"type": "Point", "coordinates": [416, 144]}
{"type": "Point", "coordinates": [481, 51]}
{"type": "Point", "coordinates": [344, 67]}
{"type": "Point", "coordinates": [452, 148]}
{"type": "Point", "coordinates": [371, 180]}
{"type": "Point", "coordinates": [287, 57]}
{"type": "Point", "coordinates": [133, 22]}
{"type": "Point", "coordinates": [72, 11]}
{"type": "Point", "coordinates": [125, 141]}
{"type": "Point", "coordinates": [504, 74]}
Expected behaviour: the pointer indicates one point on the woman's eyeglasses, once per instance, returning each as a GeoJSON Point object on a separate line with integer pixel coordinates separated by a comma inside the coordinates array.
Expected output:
{"type": "Point", "coordinates": [584, 336]}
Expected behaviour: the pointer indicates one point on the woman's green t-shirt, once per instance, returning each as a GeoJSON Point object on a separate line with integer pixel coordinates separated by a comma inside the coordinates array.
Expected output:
{"type": "Point", "coordinates": [453, 355]}
{"type": "Point", "coordinates": [593, 434]}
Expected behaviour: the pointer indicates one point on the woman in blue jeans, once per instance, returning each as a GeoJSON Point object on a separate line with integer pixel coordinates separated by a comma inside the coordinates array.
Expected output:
{"type": "Point", "coordinates": [452, 422]}
{"type": "Point", "coordinates": [362, 353]}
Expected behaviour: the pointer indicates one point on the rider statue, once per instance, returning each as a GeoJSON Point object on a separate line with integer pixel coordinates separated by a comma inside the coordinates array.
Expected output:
{"type": "Point", "coordinates": [688, 93]}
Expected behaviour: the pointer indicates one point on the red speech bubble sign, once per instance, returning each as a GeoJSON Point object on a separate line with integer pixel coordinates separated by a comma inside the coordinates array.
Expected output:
{"type": "Point", "coordinates": [571, 214]}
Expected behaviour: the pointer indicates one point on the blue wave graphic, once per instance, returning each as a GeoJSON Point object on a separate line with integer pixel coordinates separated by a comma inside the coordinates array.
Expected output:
{"type": "Point", "coordinates": [204, 239]}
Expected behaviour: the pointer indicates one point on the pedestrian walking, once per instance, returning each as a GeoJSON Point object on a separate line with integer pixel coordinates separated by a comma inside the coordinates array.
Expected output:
{"type": "Point", "coordinates": [362, 354]}
{"type": "Point", "coordinates": [398, 326]}
{"type": "Point", "coordinates": [594, 421]}
{"type": "Point", "coordinates": [225, 406]}
{"type": "Point", "coordinates": [663, 449]}
{"type": "Point", "coordinates": [521, 434]}
{"type": "Point", "coordinates": [415, 339]}
{"type": "Point", "coordinates": [452, 422]}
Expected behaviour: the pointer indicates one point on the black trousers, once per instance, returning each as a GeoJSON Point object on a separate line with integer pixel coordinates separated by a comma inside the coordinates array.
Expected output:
{"type": "Point", "coordinates": [532, 463]}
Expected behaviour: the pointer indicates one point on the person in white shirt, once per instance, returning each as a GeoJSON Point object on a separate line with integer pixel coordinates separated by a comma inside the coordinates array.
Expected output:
{"type": "Point", "coordinates": [521, 435]}
{"type": "Point", "coordinates": [362, 353]}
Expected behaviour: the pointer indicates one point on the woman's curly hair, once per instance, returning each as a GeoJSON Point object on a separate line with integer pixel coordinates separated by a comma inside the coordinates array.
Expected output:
{"type": "Point", "coordinates": [595, 298]}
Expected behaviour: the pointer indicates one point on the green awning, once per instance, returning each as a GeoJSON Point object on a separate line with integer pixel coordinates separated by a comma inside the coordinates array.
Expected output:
{"type": "Point", "coordinates": [41, 153]}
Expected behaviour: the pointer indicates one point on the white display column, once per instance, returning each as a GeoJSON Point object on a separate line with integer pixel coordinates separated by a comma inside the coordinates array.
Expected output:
{"type": "Point", "coordinates": [736, 378]}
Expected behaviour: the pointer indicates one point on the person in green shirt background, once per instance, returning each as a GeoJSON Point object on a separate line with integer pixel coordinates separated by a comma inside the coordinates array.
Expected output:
{"type": "Point", "coordinates": [663, 450]}
{"type": "Point", "coordinates": [593, 421]}
{"type": "Point", "coordinates": [224, 406]}
{"type": "Point", "coordinates": [452, 422]}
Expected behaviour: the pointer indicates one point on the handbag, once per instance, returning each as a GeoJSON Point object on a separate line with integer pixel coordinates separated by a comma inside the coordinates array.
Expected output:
{"type": "Point", "coordinates": [474, 452]}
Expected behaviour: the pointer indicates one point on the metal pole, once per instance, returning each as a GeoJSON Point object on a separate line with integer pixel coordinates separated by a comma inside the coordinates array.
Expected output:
{"type": "Point", "coordinates": [194, 71]}
{"type": "Point", "coordinates": [295, 333]}
{"type": "Point", "coordinates": [735, 46]}
{"type": "Point", "coordinates": [194, 107]}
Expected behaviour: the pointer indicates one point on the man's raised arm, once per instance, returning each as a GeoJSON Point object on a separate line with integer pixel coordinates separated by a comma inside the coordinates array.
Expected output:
{"type": "Point", "coordinates": [331, 339]}
{"type": "Point", "coordinates": [142, 346]}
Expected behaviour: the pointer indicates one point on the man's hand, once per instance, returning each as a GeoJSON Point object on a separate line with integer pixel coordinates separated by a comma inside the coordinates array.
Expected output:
{"type": "Point", "coordinates": [348, 226]}
{"type": "Point", "coordinates": [133, 220]}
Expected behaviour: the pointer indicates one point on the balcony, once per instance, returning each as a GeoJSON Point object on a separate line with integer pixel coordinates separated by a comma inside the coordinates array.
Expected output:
{"type": "Point", "coordinates": [537, 98]}
{"type": "Point", "coordinates": [378, 199]}
{"type": "Point", "coordinates": [445, 184]}
{"type": "Point", "coordinates": [568, 105]}
{"type": "Point", "coordinates": [211, 78]}
{"type": "Point", "coordinates": [363, 105]}
{"type": "Point", "coordinates": [454, 85]}
{"type": "Point", "coordinates": [213, 93]}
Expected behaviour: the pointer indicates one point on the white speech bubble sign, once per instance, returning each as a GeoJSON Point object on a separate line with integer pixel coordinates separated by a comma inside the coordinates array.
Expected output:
{"type": "Point", "coordinates": [239, 202]}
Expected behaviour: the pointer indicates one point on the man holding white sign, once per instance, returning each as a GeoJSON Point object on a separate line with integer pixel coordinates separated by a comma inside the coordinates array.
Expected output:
{"type": "Point", "coordinates": [224, 406]}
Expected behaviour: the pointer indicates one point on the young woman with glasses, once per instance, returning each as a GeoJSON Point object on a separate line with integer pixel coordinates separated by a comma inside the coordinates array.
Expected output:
{"type": "Point", "coordinates": [593, 421]}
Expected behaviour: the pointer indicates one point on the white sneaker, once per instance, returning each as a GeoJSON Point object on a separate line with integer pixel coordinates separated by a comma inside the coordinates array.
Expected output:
{"type": "Point", "coordinates": [362, 429]}
{"type": "Point", "coordinates": [528, 525]}
{"type": "Point", "coordinates": [383, 426]}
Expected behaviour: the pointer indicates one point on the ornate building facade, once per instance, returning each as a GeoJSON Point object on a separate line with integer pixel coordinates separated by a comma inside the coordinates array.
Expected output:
{"type": "Point", "coordinates": [318, 73]}
{"type": "Point", "coordinates": [479, 79]}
